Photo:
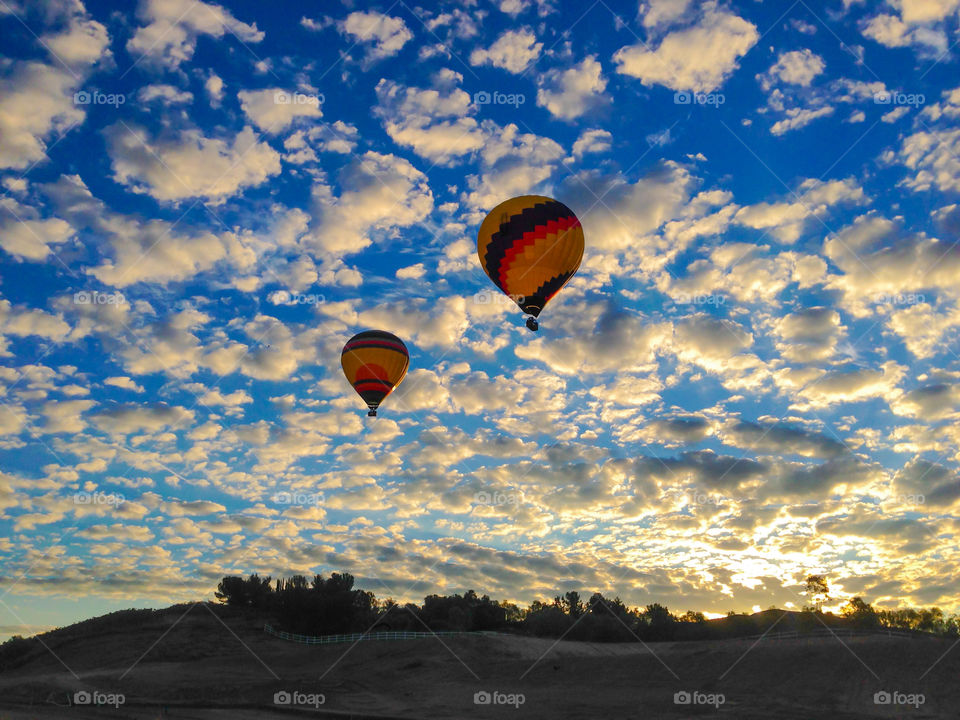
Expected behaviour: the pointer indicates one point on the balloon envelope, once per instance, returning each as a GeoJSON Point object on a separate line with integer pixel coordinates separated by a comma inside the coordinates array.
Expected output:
{"type": "Point", "coordinates": [530, 246]}
{"type": "Point", "coordinates": [374, 362]}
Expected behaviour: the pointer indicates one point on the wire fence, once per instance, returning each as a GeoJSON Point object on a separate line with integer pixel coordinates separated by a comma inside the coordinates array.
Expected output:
{"type": "Point", "coordinates": [840, 632]}
{"type": "Point", "coordinates": [355, 637]}
{"type": "Point", "coordinates": [416, 635]}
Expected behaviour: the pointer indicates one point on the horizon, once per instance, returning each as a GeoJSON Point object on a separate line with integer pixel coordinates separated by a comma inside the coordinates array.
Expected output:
{"type": "Point", "coordinates": [751, 378]}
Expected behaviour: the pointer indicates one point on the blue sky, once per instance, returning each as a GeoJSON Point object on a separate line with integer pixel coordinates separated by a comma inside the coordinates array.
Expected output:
{"type": "Point", "coordinates": [753, 376]}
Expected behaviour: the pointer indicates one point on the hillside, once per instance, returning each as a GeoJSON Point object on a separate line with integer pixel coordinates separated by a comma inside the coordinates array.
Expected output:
{"type": "Point", "coordinates": [211, 662]}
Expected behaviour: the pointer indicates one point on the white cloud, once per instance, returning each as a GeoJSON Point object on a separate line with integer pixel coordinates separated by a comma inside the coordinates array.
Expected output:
{"type": "Point", "coordinates": [31, 239]}
{"type": "Point", "coordinates": [431, 121]}
{"type": "Point", "coordinates": [568, 94]}
{"type": "Point", "coordinates": [378, 194]}
{"type": "Point", "coordinates": [592, 141]}
{"type": "Point", "coordinates": [797, 118]}
{"type": "Point", "coordinates": [36, 101]}
{"type": "Point", "coordinates": [186, 165]}
{"type": "Point", "coordinates": [513, 51]}
{"type": "Point", "coordinates": [698, 58]}
{"type": "Point", "coordinates": [934, 156]}
{"type": "Point", "coordinates": [170, 36]}
{"type": "Point", "coordinates": [384, 35]}
{"type": "Point", "coordinates": [165, 93]}
{"type": "Point", "coordinates": [797, 67]}
{"type": "Point", "coordinates": [273, 110]}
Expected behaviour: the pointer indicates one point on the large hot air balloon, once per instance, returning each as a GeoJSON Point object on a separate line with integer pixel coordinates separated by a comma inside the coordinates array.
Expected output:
{"type": "Point", "coordinates": [530, 246]}
{"type": "Point", "coordinates": [374, 362]}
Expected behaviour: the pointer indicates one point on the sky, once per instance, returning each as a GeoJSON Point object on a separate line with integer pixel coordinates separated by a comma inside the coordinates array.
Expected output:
{"type": "Point", "coordinates": [754, 375]}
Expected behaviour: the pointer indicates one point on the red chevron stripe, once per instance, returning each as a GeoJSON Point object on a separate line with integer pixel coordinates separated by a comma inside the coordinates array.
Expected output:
{"type": "Point", "coordinates": [384, 387]}
{"type": "Point", "coordinates": [538, 233]}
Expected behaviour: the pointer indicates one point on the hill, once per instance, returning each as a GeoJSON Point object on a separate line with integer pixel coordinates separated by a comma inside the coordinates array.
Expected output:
{"type": "Point", "coordinates": [209, 662]}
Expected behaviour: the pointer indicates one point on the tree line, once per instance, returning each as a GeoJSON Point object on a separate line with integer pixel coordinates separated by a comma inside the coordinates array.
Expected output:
{"type": "Point", "coordinates": [327, 606]}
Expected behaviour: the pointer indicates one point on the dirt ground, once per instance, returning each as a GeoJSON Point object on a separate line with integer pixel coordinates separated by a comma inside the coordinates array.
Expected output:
{"type": "Point", "coordinates": [202, 670]}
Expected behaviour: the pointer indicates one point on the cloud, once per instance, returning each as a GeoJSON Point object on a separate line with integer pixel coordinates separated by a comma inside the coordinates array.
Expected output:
{"type": "Point", "coordinates": [383, 34]}
{"type": "Point", "coordinates": [697, 58]}
{"type": "Point", "coordinates": [378, 195]}
{"type": "Point", "coordinates": [36, 101]}
{"type": "Point", "coordinates": [513, 51]}
{"type": "Point", "coordinates": [934, 158]}
{"type": "Point", "coordinates": [568, 94]}
{"type": "Point", "coordinates": [273, 110]}
{"type": "Point", "coordinates": [797, 67]}
{"type": "Point", "coordinates": [170, 36]}
{"type": "Point", "coordinates": [128, 419]}
{"type": "Point", "coordinates": [32, 239]}
{"type": "Point", "coordinates": [592, 141]}
{"type": "Point", "coordinates": [167, 94]}
{"type": "Point", "coordinates": [188, 164]}
{"type": "Point", "coordinates": [797, 118]}
{"type": "Point", "coordinates": [431, 121]}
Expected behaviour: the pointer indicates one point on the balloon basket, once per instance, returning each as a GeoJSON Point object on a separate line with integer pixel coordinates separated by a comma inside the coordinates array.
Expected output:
{"type": "Point", "coordinates": [533, 324]}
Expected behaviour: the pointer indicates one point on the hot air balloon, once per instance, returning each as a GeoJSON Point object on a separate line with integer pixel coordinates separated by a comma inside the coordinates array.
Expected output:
{"type": "Point", "coordinates": [530, 246]}
{"type": "Point", "coordinates": [374, 362]}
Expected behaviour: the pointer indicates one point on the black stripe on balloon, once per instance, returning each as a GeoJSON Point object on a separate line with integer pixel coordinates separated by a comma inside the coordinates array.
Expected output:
{"type": "Point", "coordinates": [373, 397]}
{"type": "Point", "coordinates": [534, 303]}
{"type": "Point", "coordinates": [514, 228]}
{"type": "Point", "coordinates": [374, 381]}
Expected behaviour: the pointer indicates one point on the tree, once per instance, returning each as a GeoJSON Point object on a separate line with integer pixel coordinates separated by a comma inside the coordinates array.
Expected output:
{"type": "Point", "coordinates": [817, 589]}
{"type": "Point", "coordinates": [860, 613]}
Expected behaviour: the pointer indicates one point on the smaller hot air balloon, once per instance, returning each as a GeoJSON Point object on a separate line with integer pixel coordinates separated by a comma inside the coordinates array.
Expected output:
{"type": "Point", "coordinates": [374, 362]}
{"type": "Point", "coordinates": [530, 246]}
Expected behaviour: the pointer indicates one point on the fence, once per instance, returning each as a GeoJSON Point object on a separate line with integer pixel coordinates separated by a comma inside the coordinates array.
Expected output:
{"type": "Point", "coordinates": [355, 637]}
{"type": "Point", "coordinates": [838, 632]}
